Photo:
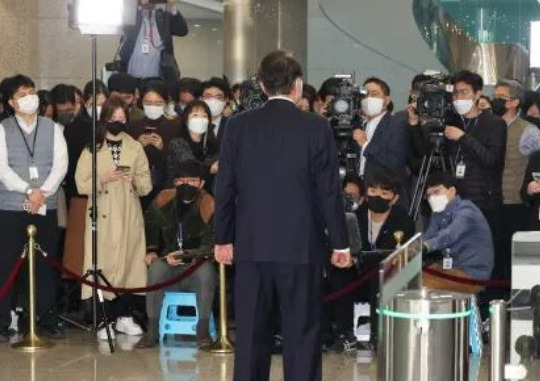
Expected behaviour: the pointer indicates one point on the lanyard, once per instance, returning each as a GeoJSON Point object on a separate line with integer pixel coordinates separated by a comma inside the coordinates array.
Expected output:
{"type": "Point", "coordinates": [148, 30]}
{"type": "Point", "coordinates": [32, 151]}
{"type": "Point", "coordinates": [466, 129]}
{"type": "Point", "coordinates": [180, 236]}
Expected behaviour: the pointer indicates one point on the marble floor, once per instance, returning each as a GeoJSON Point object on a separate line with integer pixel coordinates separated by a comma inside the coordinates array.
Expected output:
{"type": "Point", "coordinates": [81, 358]}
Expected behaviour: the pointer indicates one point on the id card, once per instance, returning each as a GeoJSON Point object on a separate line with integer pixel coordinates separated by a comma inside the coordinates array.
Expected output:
{"type": "Point", "coordinates": [145, 48]}
{"type": "Point", "coordinates": [448, 263]}
{"type": "Point", "coordinates": [460, 170]}
{"type": "Point", "coordinates": [34, 173]}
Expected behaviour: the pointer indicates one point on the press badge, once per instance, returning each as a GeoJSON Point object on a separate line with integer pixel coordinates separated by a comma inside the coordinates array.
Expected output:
{"type": "Point", "coordinates": [34, 174]}
{"type": "Point", "coordinates": [145, 48]}
{"type": "Point", "coordinates": [447, 263]}
{"type": "Point", "coordinates": [460, 170]}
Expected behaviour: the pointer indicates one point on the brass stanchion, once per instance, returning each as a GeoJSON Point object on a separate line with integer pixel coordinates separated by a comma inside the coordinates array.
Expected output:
{"type": "Point", "coordinates": [31, 342]}
{"type": "Point", "coordinates": [398, 236]}
{"type": "Point", "coordinates": [222, 345]}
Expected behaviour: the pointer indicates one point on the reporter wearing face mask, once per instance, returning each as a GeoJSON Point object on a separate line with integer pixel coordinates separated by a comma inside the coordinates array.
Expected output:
{"type": "Point", "coordinates": [216, 92]}
{"type": "Point", "coordinates": [154, 132]}
{"type": "Point", "coordinates": [123, 177]}
{"type": "Point", "coordinates": [459, 231]}
{"type": "Point", "coordinates": [195, 142]}
{"type": "Point", "coordinates": [384, 139]}
{"type": "Point", "coordinates": [379, 217]}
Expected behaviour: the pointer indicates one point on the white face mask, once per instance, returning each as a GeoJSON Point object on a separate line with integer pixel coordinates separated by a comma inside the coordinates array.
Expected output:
{"type": "Point", "coordinates": [153, 112]}
{"type": "Point", "coordinates": [372, 106]}
{"type": "Point", "coordinates": [29, 104]}
{"type": "Point", "coordinates": [198, 125]}
{"type": "Point", "coordinates": [438, 203]}
{"type": "Point", "coordinates": [216, 106]}
{"type": "Point", "coordinates": [463, 106]}
{"type": "Point", "coordinates": [98, 110]}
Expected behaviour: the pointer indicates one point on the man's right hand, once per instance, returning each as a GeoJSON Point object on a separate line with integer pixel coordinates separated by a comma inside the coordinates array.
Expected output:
{"type": "Point", "coordinates": [533, 188]}
{"type": "Point", "coordinates": [150, 258]}
{"type": "Point", "coordinates": [342, 259]}
{"type": "Point", "coordinates": [37, 198]}
{"type": "Point", "coordinates": [224, 254]}
{"type": "Point", "coordinates": [360, 137]}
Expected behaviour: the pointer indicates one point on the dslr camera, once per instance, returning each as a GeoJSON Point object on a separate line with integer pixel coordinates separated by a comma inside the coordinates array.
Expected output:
{"type": "Point", "coordinates": [342, 112]}
{"type": "Point", "coordinates": [434, 102]}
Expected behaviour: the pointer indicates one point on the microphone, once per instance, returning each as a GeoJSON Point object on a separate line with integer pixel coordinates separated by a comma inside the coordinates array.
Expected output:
{"type": "Point", "coordinates": [355, 240]}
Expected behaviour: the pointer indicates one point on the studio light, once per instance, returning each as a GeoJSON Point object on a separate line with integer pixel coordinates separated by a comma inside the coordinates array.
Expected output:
{"type": "Point", "coordinates": [534, 48]}
{"type": "Point", "coordinates": [102, 16]}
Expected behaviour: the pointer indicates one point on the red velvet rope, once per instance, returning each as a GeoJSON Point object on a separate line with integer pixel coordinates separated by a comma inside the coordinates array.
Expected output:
{"type": "Point", "coordinates": [352, 286]}
{"type": "Point", "coordinates": [119, 290]}
{"type": "Point", "coordinates": [474, 282]}
{"type": "Point", "coordinates": [12, 277]}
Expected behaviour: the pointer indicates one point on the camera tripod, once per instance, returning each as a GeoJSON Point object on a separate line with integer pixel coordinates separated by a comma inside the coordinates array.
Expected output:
{"type": "Point", "coordinates": [436, 158]}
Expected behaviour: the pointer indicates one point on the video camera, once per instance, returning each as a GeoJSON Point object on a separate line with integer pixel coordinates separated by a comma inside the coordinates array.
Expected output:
{"type": "Point", "coordinates": [435, 102]}
{"type": "Point", "coordinates": [342, 112]}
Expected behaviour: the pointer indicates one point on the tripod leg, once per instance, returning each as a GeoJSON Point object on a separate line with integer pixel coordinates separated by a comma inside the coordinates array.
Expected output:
{"type": "Point", "coordinates": [105, 320]}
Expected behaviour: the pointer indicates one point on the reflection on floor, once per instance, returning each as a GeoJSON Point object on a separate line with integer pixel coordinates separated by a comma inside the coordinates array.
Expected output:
{"type": "Point", "coordinates": [82, 358]}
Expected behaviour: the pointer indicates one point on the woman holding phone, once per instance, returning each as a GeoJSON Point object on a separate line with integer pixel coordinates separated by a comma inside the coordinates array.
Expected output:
{"type": "Point", "coordinates": [123, 177]}
{"type": "Point", "coordinates": [154, 132]}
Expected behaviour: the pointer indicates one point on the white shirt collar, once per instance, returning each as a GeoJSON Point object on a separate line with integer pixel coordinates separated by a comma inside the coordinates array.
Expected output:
{"type": "Point", "coordinates": [375, 121]}
{"type": "Point", "coordinates": [26, 128]}
{"type": "Point", "coordinates": [283, 98]}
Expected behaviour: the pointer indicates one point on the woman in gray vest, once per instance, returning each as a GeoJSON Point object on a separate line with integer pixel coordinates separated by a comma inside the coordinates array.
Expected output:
{"type": "Point", "coordinates": [123, 177]}
{"type": "Point", "coordinates": [33, 163]}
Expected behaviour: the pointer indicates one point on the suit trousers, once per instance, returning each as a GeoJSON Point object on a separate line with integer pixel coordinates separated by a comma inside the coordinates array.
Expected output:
{"type": "Point", "coordinates": [13, 237]}
{"type": "Point", "coordinates": [295, 291]}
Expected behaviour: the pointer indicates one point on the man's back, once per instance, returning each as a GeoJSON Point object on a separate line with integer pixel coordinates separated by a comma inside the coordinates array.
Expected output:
{"type": "Point", "coordinates": [283, 164]}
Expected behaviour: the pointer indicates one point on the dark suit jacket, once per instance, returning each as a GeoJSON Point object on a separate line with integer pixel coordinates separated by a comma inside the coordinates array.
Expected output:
{"type": "Point", "coordinates": [389, 146]}
{"type": "Point", "coordinates": [532, 202]}
{"type": "Point", "coordinates": [221, 131]}
{"type": "Point", "coordinates": [278, 187]}
{"type": "Point", "coordinates": [168, 26]}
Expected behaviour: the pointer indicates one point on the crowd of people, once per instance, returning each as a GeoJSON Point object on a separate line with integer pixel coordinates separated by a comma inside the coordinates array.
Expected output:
{"type": "Point", "coordinates": [158, 153]}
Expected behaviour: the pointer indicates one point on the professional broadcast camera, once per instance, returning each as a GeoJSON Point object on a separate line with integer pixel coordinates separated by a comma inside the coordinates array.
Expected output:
{"type": "Point", "coordinates": [342, 112]}
{"type": "Point", "coordinates": [435, 102]}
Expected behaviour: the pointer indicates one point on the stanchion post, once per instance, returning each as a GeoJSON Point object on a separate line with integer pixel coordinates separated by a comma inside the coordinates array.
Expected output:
{"type": "Point", "coordinates": [497, 342]}
{"type": "Point", "coordinates": [222, 345]}
{"type": "Point", "coordinates": [31, 342]}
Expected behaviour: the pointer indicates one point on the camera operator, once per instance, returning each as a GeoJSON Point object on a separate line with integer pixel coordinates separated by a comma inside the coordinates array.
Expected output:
{"type": "Point", "coordinates": [384, 139]}
{"type": "Point", "coordinates": [148, 51]}
{"type": "Point", "coordinates": [327, 92]}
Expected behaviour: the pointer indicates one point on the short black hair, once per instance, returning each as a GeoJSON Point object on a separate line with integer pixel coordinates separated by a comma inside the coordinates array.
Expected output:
{"type": "Point", "coordinates": [531, 98]}
{"type": "Point", "coordinates": [236, 87]}
{"type": "Point", "coordinates": [329, 87]}
{"type": "Point", "coordinates": [100, 89]}
{"type": "Point", "coordinates": [384, 178]}
{"type": "Point", "coordinates": [219, 83]}
{"type": "Point", "coordinates": [61, 94]}
{"type": "Point", "coordinates": [44, 101]}
{"type": "Point", "coordinates": [470, 78]}
{"type": "Point", "coordinates": [352, 178]}
{"type": "Point", "coordinates": [278, 71]}
{"type": "Point", "coordinates": [382, 84]}
{"type": "Point", "coordinates": [310, 93]}
{"type": "Point", "coordinates": [441, 178]}
{"type": "Point", "coordinates": [15, 83]}
{"type": "Point", "coordinates": [187, 85]}
{"type": "Point", "coordinates": [189, 168]}
{"type": "Point", "coordinates": [122, 83]}
{"type": "Point", "coordinates": [156, 86]}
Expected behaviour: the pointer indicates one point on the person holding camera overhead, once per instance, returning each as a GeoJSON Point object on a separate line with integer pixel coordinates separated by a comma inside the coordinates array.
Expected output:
{"type": "Point", "coordinates": [148, 50]}
{"type": "Point", "coordinates": [122, 177]}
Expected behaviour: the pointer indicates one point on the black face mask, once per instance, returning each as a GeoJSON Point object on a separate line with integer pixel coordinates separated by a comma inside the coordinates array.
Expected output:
{"type": "Point", "coordinates": [186, 193]}
{"type": "Point", "coordinates": [65, 119]}
{"type": "Point", "coordinates": [377, 204]}
{"type": "Point", "coordinates": [116, 127]}
{"type": "Point", "coordinates": [498, 106]}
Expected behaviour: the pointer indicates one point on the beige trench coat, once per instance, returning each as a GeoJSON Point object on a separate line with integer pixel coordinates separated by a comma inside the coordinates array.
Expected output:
{"type": "Point", "coordinates": [121, 240]}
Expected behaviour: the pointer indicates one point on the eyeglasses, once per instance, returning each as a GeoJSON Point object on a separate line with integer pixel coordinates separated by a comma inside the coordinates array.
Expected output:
{"type": "Point", "coordinates": [435, 192]}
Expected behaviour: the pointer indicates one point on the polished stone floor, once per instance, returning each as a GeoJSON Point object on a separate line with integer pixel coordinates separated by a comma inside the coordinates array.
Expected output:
{"type": "Point", "coordinates": [82, 358]}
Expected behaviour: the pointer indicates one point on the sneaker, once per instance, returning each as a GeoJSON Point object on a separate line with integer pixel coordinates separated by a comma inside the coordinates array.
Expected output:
{"type": "Point", "coordinates": [127, 326]}
{"type": "Point", "coordinates": [344, 344]}
{"type": "Point", "coordinates": [102, 333]}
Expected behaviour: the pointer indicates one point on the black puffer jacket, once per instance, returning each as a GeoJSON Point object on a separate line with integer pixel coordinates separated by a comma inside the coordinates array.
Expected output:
{"type": "Point", "coordinates": [482, 149]}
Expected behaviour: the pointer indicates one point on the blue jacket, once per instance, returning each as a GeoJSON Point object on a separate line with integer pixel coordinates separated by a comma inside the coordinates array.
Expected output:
{"type": "Point", "coordinates": [463, 229]}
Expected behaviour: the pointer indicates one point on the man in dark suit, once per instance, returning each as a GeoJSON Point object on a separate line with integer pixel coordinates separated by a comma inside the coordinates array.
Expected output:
{"type": "Point", "coordinates": [216, 92]}
{"type": "Point", "coordinates": [278, 189]}
{"type": "Point", "coordinates": [384, 141]}
{"type": "Point", "coordinates": [148, 50]}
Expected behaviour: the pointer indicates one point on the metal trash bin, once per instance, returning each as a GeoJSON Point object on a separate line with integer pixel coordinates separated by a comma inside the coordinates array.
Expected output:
{"type": "Point", "coordinates": [426, 336]}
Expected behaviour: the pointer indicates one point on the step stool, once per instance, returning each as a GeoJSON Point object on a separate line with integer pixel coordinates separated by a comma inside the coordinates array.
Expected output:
{"type": "Point", "coordinates": [179, 315]}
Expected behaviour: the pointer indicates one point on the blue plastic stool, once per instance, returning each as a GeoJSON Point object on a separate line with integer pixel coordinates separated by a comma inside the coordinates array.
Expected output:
{"type": "Point", "coordinates": [179, 315]}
